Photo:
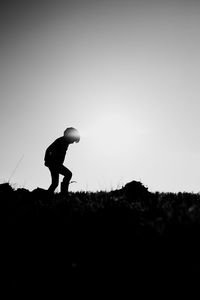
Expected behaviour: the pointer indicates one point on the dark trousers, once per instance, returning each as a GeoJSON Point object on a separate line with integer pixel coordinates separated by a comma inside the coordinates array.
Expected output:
{"type": "Point", "coordinates": [55, 171]}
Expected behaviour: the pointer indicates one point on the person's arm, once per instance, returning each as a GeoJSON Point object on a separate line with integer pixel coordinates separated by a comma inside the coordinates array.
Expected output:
{"type": "Point", "coordinates": [48, 155]}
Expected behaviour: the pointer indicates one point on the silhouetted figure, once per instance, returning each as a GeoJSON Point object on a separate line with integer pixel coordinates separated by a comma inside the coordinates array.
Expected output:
{"type": "Point", "coordinates": [55, 156]}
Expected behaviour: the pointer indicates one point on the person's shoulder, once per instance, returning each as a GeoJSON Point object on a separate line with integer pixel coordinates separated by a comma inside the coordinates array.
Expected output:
{"type": "Point", "coordinates": [60, 139]}
{"type": "Point", "coordinates": [57, 141]}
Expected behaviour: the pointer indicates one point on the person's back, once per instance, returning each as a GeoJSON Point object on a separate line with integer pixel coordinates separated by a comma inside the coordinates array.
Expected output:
{"type": "Point", "coordinates": [55, 156]}
{"type": "Point", "coordinates": [55, 153]}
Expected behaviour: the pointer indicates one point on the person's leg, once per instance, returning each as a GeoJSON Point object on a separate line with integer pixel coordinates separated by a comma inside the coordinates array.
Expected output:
{"type": "Point", "coordinates": [55, 179]}
{"type": "Point", "coordinates": [67, 177]}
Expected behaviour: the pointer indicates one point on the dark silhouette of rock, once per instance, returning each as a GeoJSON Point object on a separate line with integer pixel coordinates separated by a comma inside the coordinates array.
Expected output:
{"type": "Point", "coordinates": [6, 188]}
{"type": "Point", "coordinates": [135, 190]}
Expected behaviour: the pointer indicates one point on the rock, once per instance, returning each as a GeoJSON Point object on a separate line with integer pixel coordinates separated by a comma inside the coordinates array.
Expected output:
{"type": "Point", "coordinates": [135, 189]}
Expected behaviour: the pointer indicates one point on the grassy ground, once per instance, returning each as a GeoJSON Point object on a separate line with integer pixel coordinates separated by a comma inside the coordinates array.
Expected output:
{"type": "Point", "coordinates": [126, 241]}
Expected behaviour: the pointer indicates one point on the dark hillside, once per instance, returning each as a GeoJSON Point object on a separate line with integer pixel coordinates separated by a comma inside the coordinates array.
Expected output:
{"type": "Point", "coordinates": [128, 240]}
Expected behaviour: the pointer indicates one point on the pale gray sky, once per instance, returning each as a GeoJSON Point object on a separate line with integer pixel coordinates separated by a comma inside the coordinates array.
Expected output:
{"type": "Point", "coordinates": [124, 73]}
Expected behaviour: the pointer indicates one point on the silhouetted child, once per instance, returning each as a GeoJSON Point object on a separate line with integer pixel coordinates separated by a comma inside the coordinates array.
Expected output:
{"type": "Point", "coordinates": [55, 156]}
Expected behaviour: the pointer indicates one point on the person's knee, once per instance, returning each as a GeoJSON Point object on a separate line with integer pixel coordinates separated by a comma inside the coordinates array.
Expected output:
{"type": "Point", "coordinates": [70, 175]}
{"type": "Point", "coordinates": [55, 182]}
{"type": "Point", "coordinates": [67, 176]}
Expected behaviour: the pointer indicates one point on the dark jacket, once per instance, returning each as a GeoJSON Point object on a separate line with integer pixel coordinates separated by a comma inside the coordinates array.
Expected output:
{"type": "Point", "coordinates": [55, 153]}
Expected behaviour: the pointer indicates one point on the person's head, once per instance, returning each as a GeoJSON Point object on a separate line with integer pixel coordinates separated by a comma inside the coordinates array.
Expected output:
{"type": "Point", "coordinates": [72, 135]}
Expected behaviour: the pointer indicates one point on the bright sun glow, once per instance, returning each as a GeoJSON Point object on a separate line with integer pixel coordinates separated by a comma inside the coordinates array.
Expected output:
{"type": "Point", "coordinates": [112, 134]}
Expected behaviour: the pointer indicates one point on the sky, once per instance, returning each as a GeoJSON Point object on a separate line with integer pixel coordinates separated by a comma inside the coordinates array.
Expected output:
{"type": "Point", "coordinates": [124, 73]}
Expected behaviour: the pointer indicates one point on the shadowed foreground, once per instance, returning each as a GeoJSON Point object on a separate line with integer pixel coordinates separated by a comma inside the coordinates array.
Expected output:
{"type": "Point", "coordinates": [125, 241]}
